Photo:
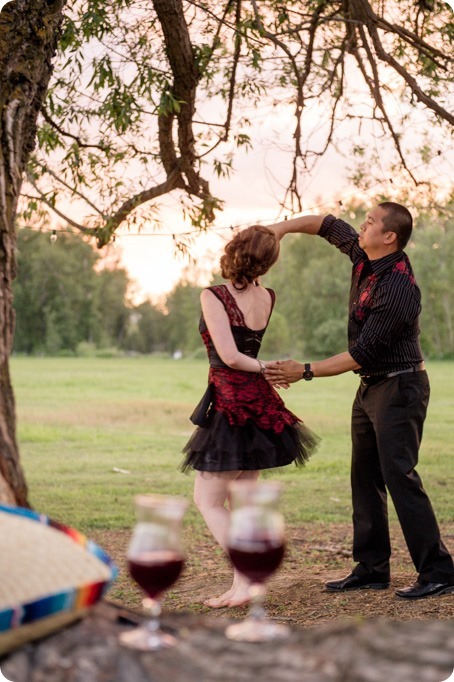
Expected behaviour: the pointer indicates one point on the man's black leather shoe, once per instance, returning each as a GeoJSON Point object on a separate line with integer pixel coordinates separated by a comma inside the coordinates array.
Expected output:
{"type": "Point", "coordinates": [368, 581]}
{"type": "Point", "coordinates": [422, 588]}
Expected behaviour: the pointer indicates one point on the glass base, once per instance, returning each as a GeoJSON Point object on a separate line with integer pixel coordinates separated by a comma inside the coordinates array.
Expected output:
{"type": "Point", "coordinates": [251, 630]}
{"type": "Point", "coordinates": [144, 639]}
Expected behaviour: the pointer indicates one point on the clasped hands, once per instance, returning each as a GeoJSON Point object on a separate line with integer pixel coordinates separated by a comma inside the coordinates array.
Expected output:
{"type": "Point", "coordinates": [282, 373]}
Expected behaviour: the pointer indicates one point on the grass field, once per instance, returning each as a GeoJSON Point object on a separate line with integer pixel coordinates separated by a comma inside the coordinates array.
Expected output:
{"type": "Point", "coordinates": [80, 418]}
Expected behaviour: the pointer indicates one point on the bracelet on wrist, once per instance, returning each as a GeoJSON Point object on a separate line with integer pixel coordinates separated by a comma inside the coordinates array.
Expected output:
{"type": "Point", "coordinates": [262, 366]}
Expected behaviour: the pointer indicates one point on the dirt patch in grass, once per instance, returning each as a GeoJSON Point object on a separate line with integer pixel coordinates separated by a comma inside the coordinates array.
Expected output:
{"type": "Point", "coordinates": [296, 594]}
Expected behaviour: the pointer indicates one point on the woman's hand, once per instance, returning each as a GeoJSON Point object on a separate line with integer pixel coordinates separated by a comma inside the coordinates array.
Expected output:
{"type": "Point", "coordinates": [282, 373]}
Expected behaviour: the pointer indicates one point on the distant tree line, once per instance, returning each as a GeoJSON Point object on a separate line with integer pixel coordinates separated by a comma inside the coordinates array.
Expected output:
{"type": "Point", "coordinates": [63, 300]}
{"type": "Point", "coordinates": [66, 303]}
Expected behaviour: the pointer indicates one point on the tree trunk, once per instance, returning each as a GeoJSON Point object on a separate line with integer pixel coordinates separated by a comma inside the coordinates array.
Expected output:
{"type": "Point", "coordinates": [363, 651]}
{"type": "Point", "coordinates": [29, 31]}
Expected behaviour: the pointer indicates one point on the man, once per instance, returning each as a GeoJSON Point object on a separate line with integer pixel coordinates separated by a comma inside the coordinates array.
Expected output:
{"type": "Point", "coordinates": [391, 402]}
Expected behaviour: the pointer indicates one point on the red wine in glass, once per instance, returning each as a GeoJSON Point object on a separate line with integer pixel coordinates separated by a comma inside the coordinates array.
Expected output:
{"type": "Point", "coordinates": [156, 571]}
{"type": "Point", "coordinates": [258, 561]}
{"type": "Point", "coordinates": [155, 560]}
{"type": "Point", "coordinates": [256, 545]}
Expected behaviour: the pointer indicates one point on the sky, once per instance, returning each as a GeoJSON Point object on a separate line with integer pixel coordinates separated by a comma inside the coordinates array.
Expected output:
{"type": "Point", "coordinates": [250, 197]}
{"type": "Point", "coordinates": [252, 194]}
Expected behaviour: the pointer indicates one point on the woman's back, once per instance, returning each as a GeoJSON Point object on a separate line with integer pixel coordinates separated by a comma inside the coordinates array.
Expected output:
{"type": "Point", "coordinates": [255, 303]}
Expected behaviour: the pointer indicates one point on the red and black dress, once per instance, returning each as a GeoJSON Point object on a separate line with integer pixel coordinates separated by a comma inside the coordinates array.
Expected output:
{"type": "Point", "coordinates": [242, 421]}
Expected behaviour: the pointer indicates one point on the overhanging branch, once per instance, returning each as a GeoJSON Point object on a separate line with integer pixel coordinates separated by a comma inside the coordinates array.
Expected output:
{"type": "Point", "coordinates": [371, 21]}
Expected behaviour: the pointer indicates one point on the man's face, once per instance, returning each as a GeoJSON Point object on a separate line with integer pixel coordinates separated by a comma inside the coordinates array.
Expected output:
{"type": "Point", "coordinates": [374, 238]}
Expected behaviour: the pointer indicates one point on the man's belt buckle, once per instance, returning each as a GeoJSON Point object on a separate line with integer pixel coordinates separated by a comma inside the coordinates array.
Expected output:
{"type": "Point", "coordinates": [370, 379]}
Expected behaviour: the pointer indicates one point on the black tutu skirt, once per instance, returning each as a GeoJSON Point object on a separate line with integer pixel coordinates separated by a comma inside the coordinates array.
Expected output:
{"type": "Point", "coordinates": [221, 446]}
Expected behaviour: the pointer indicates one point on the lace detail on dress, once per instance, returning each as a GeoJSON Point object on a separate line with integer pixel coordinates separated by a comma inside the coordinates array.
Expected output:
{"type": "Point", "coordinates": [248, 426]}
{"type": "Point", "coordinates": [245, 395]}
{"type": "Point", "coordinates": [234, 314]}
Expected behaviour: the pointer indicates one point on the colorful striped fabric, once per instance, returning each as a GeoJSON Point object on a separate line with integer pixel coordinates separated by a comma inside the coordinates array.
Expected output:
{"type": "Point", "coordinates": [69, 599]}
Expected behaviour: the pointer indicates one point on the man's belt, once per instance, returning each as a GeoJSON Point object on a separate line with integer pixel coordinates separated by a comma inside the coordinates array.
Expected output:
{"type": "Point", "coordinates": [371, 379]}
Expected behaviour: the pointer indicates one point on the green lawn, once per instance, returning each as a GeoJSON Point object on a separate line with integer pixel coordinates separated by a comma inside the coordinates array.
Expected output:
{"type": "Point", "coordinates": [80, 418]}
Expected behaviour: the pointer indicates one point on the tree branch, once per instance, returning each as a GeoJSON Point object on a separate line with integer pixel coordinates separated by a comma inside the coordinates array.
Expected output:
{"type": "Point", "coordinates": [415, 41]}
{"type": "Point", "coordinates": [185, 80]}
{"type": "Point", "coordinates": [103, 235]}
{"type": "Point", "coordinates": [364, 11]}
{"type": "Point", "coordinates": [236, 58]}
{"type": "Point", "coordinates": [42, 197]}
{"type": "Point", "coordinates": [60, 130]}
{"type": "Point", "coordinates": [48, 170]}
{"type": "Point", "coordinates": [374, 87]}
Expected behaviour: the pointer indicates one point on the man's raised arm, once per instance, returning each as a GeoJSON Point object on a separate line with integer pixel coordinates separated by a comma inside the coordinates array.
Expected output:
{"type": "Point", "coordinates": [308, 224]}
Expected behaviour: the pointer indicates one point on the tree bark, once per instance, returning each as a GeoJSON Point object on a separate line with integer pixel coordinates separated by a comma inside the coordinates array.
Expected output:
{"type": "Point", "coordinates": [29, 31]}
{"type": "Point", "coordinates": [366, 651]}
{"type": "Point", "coordinates": [186, 76]}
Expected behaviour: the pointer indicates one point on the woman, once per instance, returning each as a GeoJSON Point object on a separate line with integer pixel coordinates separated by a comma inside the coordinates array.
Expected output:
{"type": "Point", "coordinates": [244, 426]}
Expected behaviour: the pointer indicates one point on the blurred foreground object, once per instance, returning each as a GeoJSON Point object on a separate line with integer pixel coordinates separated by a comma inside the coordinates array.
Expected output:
{"type": "Point", "coordinates": [49, 575]}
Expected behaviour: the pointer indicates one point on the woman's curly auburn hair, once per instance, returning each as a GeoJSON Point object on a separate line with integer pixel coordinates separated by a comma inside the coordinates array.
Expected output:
{"type": "Point", "coordinates": [248, 255]}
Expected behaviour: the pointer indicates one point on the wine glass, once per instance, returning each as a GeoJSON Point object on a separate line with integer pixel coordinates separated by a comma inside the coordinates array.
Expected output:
{"type": "Point", "coordinates": [155, 561]}
{"type": "Point", "coordinates": [256, 546]}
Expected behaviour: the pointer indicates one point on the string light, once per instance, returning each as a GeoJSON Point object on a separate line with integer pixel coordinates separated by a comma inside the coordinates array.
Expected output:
{"type": "Point", "coordinates": [341, 203]}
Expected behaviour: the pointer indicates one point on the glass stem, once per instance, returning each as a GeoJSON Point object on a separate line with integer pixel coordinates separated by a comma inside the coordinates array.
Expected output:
{"type": "Point", "coordinates": [153, 609]}
{"type": "Point", "coordinates": [258, 593]}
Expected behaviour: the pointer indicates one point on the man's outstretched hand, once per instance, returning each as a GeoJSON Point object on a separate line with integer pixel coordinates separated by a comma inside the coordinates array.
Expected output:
{"type": "Point", "coordinates": [281, 373]}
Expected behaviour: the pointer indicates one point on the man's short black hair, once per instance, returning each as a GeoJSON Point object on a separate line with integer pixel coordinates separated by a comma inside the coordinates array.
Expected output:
{"type": "Point", "coordinates": [398, 219]}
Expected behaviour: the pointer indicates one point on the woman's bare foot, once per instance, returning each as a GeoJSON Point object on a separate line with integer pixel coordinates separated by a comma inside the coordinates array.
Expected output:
{"type": "Point", "coordinates": [239, 597]}
{"type": "Point", "coordinates": [236, 596]}
{"type": "Point", "coordinates": [220, 602]}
